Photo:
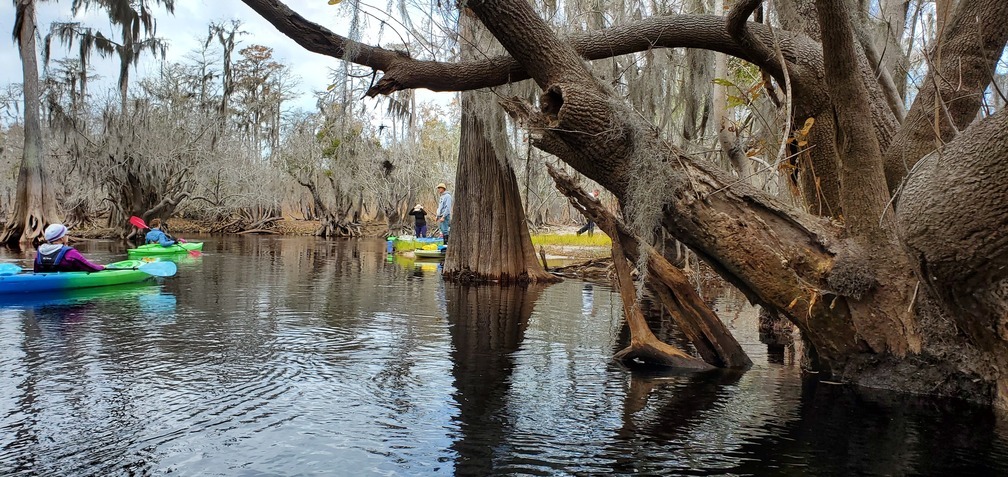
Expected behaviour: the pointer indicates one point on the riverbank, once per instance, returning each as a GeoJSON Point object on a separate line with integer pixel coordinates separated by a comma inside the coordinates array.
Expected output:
{"type": "Point", "coordinates": [556, 242]}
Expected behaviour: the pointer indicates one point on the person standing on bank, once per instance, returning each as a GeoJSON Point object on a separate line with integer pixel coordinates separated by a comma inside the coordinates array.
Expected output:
{"type": "Point", "coordinates": [590, 226]}
{"type": "Point", "coordinates": [56, 256]}
{"type": "Point", "coordinates": [444, 211]}
{"type": "Point", "coordinates": [420, 220]}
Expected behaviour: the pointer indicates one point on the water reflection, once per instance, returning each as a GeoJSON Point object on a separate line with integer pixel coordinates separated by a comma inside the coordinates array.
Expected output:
{"type": "Point", "coordinates": [296, 356]}
{"type": "Point", "coordinates": [487, 326]}
{"type": "Point", "coordinates": [891, 435]}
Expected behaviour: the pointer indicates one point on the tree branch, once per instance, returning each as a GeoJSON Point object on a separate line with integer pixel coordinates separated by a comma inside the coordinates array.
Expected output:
{"type": "Point", "coordinates": [735, 25]}
{"type": "Point", "coordinates": [668, 31]}
{"type": "Point", "coordinates": [966, 53]}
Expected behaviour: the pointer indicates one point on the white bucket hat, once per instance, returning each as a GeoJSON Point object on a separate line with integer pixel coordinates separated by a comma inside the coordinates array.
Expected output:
{"type": "Point", "coordinates": [55, 232]}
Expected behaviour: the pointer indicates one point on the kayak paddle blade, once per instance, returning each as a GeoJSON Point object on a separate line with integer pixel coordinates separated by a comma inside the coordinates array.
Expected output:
{"type": "Point", "coordinates": [137, 222]}
{"type": "Point", "coordinates": [192, 253]}
{"type": "Point", "coordinates": [159, 268]}
{"type": "Point", "coordinates": [9, 269]}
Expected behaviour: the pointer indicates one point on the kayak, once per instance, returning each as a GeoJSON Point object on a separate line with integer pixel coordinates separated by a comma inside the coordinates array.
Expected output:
{"type": "Point", "coordinates": [138, 291]}
{"type": "Point", "coordinates": [28, 282]}
{"type": "Point", "coordinates": [407, 244]}
{"type": "Point", "coordinates": [154, 249]}
{"type": "Point", "coordinates": [429, 253]}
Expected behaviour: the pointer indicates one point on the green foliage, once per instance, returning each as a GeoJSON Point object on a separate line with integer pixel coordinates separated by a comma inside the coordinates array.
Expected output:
{"type": "Point", "coordinates": [744, 85]}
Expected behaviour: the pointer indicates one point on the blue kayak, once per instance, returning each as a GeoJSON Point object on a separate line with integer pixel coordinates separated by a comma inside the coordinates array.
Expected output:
{"type": "Point", "coordinates": [118, 273]}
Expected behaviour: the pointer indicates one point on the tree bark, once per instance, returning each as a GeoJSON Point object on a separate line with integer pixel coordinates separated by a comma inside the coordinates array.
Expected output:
{"type": "Point", "coordinates": [709, 335]}
{"type": "Point", "coordinates": [35, 205]}
{"type": "Point", "coordinates": [863, 193]}
{"type": "Point", "coordinates": [964, 262]}
{"type": "Point", "coordinates": [960, 68]}
{"type": "Point", "coordinates": [490, 239]}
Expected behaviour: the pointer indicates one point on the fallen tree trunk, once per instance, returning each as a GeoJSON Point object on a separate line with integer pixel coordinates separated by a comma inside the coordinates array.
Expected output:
{"type": "Point", "coordinates": [644, 345]}
{"type": "Point", "coordinates": [709, 335]}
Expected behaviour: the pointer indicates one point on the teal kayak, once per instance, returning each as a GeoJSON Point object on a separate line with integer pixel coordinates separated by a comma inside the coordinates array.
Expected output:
{"type": "Point", "coordinates": [153, 249]}
{"type": "Point", "coordinates": [28, 282]}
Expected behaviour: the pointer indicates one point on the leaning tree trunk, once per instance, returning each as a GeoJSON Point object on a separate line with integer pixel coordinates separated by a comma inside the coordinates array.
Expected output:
{"type": "Point", "coordinates": [708, 334]}
{"type": "Point", "coordinates": [644, 345]}
{"type": "Point", "coordinates": [860, 322]}
{"type": "Point", "coordinates": [35, 205]}
{"type": "Point", "coordinates": [489, 239]}
{"type": "Point", "coordinates": [779, 257]}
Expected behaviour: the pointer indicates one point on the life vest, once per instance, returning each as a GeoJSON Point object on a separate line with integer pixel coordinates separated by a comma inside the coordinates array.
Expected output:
{"type": "Point", "coordinates": [50, 262]}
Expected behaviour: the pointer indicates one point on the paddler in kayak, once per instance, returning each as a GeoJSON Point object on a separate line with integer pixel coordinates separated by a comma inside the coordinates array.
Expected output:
{"type": "Point", "coordinates": [156, 235]}
{"type": "Point", "coordinates": [56, 256]}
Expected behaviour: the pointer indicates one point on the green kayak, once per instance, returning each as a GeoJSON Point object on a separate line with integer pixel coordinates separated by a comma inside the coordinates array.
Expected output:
{"type": "Point", "coordinates": [153, 249]}
{"type": "Point", "coordinates": [117, 273]}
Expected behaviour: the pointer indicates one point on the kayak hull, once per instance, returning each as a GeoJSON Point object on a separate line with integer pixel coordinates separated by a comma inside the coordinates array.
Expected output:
{"type": "Point", "coordinates": [429, 254]}
{"type": "Point", "coordinates": [28, 282]}
{"type": "Point", "coordinates": [153, 249]}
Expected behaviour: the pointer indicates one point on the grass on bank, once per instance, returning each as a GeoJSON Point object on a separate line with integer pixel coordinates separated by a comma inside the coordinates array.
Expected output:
{"type": "Point", "coordinates": [599, 239]}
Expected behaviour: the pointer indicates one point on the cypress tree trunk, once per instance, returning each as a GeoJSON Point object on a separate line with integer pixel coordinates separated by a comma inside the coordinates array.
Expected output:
{"type": "Point", "coordinates": [490, 240]}
{"type": "Point", "coordinates": [35, 205]}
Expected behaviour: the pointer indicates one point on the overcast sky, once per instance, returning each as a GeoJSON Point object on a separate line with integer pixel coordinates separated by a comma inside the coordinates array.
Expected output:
{"type": "Point", "coordinates": [185, 31]}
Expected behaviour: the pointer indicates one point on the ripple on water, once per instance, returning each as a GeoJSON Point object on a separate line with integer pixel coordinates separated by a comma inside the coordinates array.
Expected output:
{"type": "Point", "coordinates": [296, 356]}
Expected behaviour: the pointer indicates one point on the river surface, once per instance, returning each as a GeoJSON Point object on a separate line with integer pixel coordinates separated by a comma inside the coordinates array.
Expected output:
{"type": "Point", "coordinates": [295, 356]}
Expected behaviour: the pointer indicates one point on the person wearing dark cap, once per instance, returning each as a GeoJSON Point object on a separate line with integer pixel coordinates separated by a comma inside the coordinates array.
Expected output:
{"type": "Point", "coordinates": [56, 256]}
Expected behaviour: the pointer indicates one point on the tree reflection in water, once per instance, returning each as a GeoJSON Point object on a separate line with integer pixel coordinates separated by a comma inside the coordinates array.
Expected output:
{"type": "Point", "coordinates": [487, 326]}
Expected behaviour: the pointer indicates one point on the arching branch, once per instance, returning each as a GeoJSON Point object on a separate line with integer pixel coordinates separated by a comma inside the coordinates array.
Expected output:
{"type": "Point", "coordinates": [667, 31]}
{"type": "Point", "coordinates": [735, 24]}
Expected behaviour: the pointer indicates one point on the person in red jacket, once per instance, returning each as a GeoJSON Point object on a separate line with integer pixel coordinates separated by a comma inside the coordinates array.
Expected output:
{"type": "Point", "coordinates": [56, 256]}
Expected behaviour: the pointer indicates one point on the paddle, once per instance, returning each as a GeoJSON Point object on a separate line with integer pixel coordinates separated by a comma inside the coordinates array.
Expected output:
{"type": "Point", "coordinates": [140, 224]}
{"type": "Point", "coordinates": [158, 269]}
{"type": "Point", "coordinates": [9, 269]}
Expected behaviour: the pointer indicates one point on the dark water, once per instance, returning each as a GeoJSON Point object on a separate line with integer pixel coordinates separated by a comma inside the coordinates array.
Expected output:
{"type": "Point", "coordinates": [291, 356]}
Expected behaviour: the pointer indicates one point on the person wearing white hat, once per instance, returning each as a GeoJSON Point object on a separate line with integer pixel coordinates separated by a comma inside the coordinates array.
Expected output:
{"type": "Point", "coordinates": [444, 211]}
{"type": "Point", "coordinates": [419, 220]}
{"type": "Point", "coordinates": [56, 256]}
